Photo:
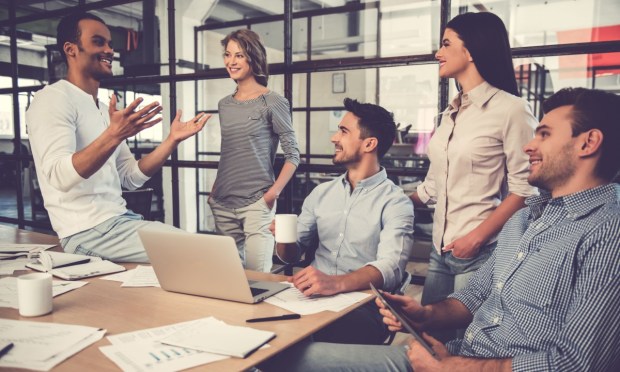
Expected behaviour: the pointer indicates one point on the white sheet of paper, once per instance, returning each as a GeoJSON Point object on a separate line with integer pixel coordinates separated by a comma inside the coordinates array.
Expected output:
{"type": "Point", "coordinates": [293, 300]}
{"type": "Point", "coordinates": [7, 267]}
{"type": "Point", "coordinates": [214, 336]}
{"type": "Point", "coordinates": [41, 346]}
{"type": "Point", "coordinates": [10, 247]}
{"type": "Point", "coordinates": [143, 276]}
{"type": "Point", "coordinates": [8, 290]}
{"type": "Point", "coordinates": [119, 277]}
{"type": "Point", "coordinates": [142, 351]}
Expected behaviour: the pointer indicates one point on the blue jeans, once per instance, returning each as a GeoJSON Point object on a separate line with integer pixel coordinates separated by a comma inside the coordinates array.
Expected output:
{"type": "Point", "coordinates": [321, 356]}
{"type": "Point", "coordinates": [448, 274]}
{"type": "Point", "coordinates": [114, 239]}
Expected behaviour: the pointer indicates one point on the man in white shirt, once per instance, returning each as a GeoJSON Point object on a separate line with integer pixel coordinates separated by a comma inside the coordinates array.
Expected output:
{"type": "Point", "coordinates": [79, 148]}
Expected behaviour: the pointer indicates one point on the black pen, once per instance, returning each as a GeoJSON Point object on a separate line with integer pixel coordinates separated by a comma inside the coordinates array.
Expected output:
{"type": "Point", "coordinates": [5, 349]}
{"type": "Point", "coordinates": [270, 318]}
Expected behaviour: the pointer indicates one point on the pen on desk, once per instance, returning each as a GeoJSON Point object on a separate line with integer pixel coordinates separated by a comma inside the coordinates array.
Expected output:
{"type": "Point", "coordinates": [271, 318]}
{"type": "Point", "coordinates": [6, 349]}
{"type": "Point", "coordinates": [86, 260]}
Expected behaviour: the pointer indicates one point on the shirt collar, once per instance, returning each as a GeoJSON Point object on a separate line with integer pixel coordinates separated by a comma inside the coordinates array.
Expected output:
{"type": "Point", "coordinates": [577, 204]}
{"type": "Point", "coordinates": [367, 183]}
{"type": "Point", "coordinates": [478, 96]}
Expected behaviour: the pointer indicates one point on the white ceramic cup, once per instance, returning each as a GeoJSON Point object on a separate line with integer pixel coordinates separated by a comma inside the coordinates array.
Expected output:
{"type": "Point", "coordinates": [34, 293]}
{"type": "Point", "coordinates": [286, 228]}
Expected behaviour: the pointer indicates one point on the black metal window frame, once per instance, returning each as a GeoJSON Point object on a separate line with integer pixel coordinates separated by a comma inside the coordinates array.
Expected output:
{"type": "Point", "coordinates": [288, 68]}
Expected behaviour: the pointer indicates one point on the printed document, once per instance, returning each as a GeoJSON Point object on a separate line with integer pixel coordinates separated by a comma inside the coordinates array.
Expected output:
{"type": "Point", "coordinates": [293, 300]}
{"type": "Point", "coordinates": [214, 336]}
{"type": "Point", "coordinates": [142, 351]}
{"type": "Point", "coordinates": [41, 346]}
{"type": "Point", "coordinates": [143, 276]}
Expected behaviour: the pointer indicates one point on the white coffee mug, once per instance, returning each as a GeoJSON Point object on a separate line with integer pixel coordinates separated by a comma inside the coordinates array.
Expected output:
{"type": "Point", "coordinates": [286, 228]}
{"type": "Point", "coordinates": [34, 293]}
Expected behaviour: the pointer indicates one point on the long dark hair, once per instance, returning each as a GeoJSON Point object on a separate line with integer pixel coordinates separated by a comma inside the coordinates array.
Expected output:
{"type": "Point", "coordinates": [255, 52]}
{"type": "Point", "coordinates": [486, 39]}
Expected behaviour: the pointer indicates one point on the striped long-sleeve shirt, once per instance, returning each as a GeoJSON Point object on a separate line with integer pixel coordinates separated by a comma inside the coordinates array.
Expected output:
{"type": "Point", "coordinates": [251, 131]}
{"type": "Point", "coordinates": [549, 296]}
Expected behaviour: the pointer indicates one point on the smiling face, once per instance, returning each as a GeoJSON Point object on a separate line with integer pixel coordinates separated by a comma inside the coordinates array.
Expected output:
{"type": "Point", "coordinates": [347, 141]}
{"type": "Point", "coordinates": [552, 151]}
{"type": "Point", "coordinates": [453, 57]}
{"type": "Point", "coordinates": [93, 53]}
{"type": "Point", "coordinates": [236, 62]}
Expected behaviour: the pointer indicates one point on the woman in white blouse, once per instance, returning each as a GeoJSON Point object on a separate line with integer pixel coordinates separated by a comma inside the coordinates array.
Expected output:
{"type": "Point", "coordinates": [478, 173]}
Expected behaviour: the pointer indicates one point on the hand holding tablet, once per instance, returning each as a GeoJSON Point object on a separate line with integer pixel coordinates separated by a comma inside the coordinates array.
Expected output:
{"type": "Point", "coordinates": [397, 311]}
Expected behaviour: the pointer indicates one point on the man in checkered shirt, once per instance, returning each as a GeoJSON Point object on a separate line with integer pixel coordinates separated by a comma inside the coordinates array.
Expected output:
{"type": "Point", "coordinates": [549, 297]}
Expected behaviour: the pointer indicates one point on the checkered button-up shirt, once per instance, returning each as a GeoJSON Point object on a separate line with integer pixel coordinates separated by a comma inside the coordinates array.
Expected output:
{"type": "Point", "coordinates": [549, 297]}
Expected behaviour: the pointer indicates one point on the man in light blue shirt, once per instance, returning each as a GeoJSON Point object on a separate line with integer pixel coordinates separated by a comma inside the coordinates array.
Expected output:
{"type": "Point", "coordinates": [360, 224]}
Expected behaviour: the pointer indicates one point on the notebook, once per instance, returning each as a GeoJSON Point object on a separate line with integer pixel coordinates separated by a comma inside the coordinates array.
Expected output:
{"type": "Point", "coordinates": [70, 266]}
{"type": "Point", "coordinates": [202, 265]}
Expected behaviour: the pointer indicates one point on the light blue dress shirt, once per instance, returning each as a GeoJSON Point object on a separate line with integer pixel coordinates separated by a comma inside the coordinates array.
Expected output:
{"type": "Point", "coordinates": [369, 225]}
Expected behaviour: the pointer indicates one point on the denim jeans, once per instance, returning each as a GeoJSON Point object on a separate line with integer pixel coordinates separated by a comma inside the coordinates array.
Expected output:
{"type": "Point", "coordinates": [249, 226]}
{"type": "Point", "coordinates": [321, 356]}
{"type": "Point", "coordinates": [114, 239]}
{"type": "Point", "coordinates": [448, 274]}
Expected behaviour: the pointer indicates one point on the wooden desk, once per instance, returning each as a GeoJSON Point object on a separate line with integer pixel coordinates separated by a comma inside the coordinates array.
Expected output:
{"type": "Point", "coordinates": [105, 304]}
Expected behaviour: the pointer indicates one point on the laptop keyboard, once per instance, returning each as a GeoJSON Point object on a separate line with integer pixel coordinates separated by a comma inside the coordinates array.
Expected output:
{"type": "Point", "coordinates": [257, 291]}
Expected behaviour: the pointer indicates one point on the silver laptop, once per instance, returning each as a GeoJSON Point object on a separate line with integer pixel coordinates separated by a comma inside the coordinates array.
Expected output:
{"type": "Point", "coordinates": [203, 265]}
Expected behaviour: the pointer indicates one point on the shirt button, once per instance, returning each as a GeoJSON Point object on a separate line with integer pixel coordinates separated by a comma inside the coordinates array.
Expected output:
{"type": "Point", "coordinates": [520, 256]}
{"type": "Point", "coordinates": [470, 337]}
{"type": "Point", "coordinates": [499, 285]}
{"type": "Point", "coordinates": [345, 212]}
{"type": "Point", "coordinates": [340, 235]}
{"type": "Point", "coordinates": [334, 253]}
{"type": "Point", "coordinates": [496, 320]}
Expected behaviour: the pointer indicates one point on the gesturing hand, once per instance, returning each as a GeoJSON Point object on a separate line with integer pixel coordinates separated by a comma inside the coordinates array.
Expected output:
{"type": "Point", "coordinates": [180, 131]}
{"type": "Point", "coordinates": [128, 122]}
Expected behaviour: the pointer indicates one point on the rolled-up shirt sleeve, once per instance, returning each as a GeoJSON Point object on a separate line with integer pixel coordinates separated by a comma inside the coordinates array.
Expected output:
{"type": "Point", "coordinates": [395, 242]}
{"type": "Point", "coordinates": [517, 132]}
{"type": "Point", "coordinates": [427, 191]}
{"type": "Point", "coordinates": [479, 286]}
{"type": "Point", "coordinates": [283, 127]}
{"type": "Point", "coordinates": [52, 137]}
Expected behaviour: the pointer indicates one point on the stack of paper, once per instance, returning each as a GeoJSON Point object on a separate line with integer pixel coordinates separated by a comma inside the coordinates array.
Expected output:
{"type": "Point", "coordinates": [293, 300]}
{"type": "Point", "coordinates": [41, 346]}
{"type": "Point", "coordinates": [8, 290]}
{"type": "Point", "coordinates": [10, 251]}
{"type": "Point", "coordinates": [214, 336]}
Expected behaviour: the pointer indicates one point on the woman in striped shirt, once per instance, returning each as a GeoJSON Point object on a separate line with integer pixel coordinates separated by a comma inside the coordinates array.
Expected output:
{"type": "Point", "coordinates": [253, 121]}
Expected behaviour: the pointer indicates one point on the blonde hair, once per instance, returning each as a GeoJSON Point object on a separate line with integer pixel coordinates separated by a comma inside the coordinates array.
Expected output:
{"type": "Point", "coordinates": [250, 43]}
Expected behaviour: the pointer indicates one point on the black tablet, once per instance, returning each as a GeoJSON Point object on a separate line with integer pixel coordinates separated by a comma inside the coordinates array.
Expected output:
{"type": "Point", "coordinates": [397, 311]}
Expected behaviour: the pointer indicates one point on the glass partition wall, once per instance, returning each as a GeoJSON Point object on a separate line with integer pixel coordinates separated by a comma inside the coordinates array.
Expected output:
{"type": "Point", "coordinates": [319, 52]}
